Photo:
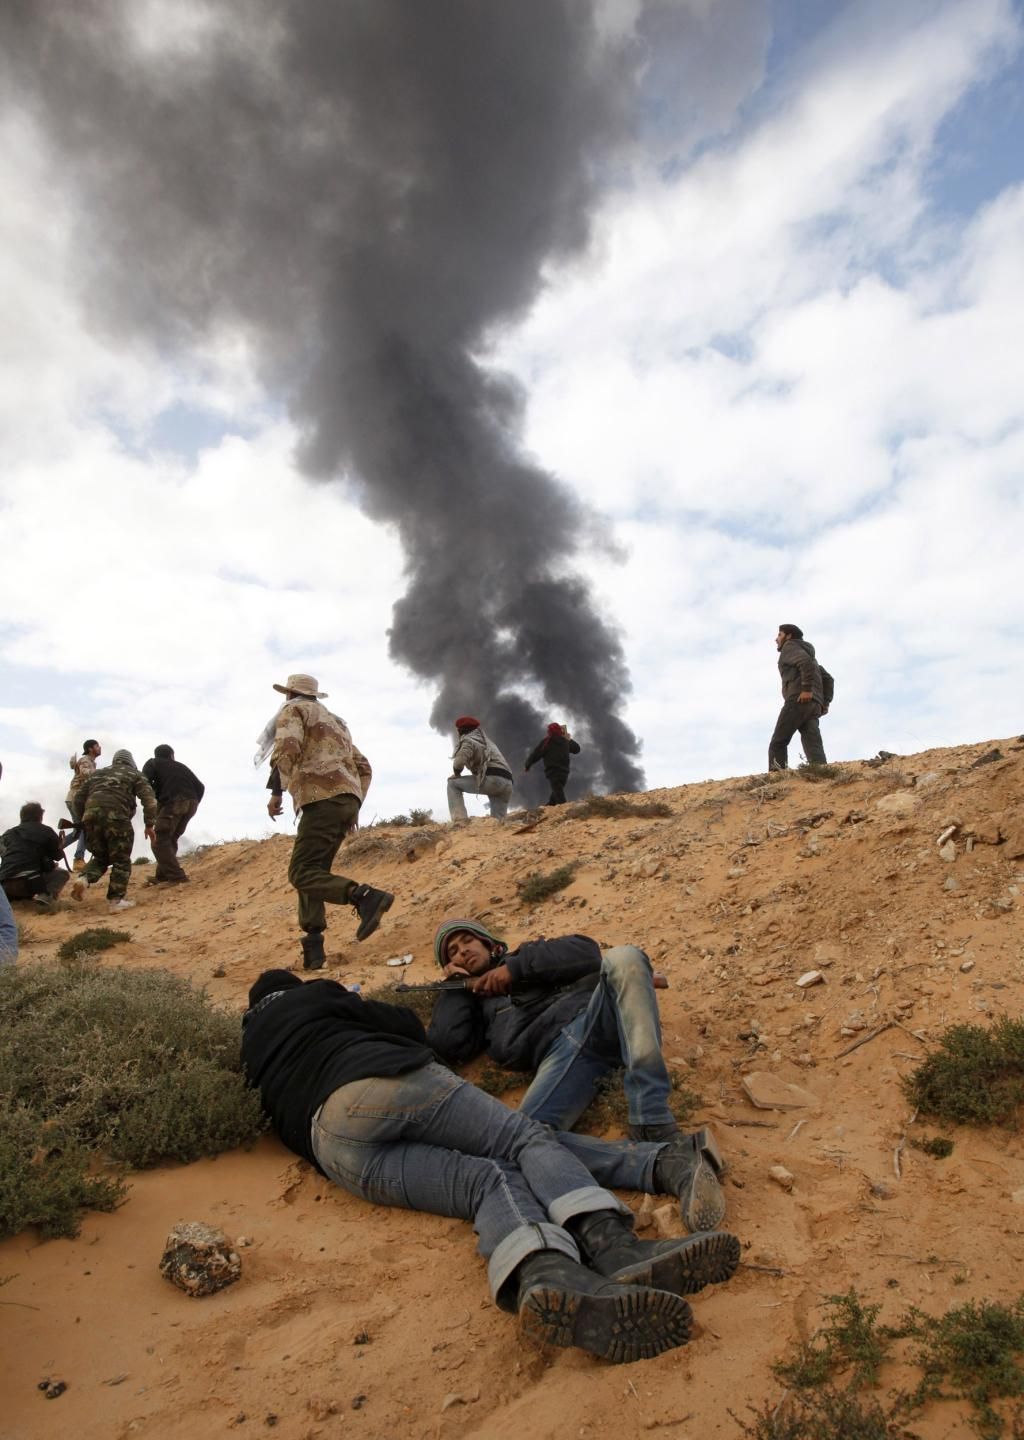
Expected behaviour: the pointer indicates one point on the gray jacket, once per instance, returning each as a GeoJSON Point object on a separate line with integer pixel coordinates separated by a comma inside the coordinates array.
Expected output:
{"type": "Point", "coordinates": [477, 754]}
{"type": "Point", "coordinates": [800, 671]}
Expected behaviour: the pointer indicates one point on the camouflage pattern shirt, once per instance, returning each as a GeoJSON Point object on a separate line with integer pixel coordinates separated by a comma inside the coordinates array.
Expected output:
{"type": "Point", "coordinates": [83, 766]}
{"type": "Point", "coordinates": [111, 793]}
{"type": "Point", "coordinates": [315, 756]}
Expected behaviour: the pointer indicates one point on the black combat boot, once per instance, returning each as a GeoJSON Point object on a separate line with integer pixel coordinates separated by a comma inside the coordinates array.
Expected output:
{"type": "Point", "coordinates": [689, 1167]}
{"type": "Point", "coordinates": [313, 957]}
{"type": "Point", "coordinates": [684, 1266]}
{"type": "Point", "coordinates": [369, 905]}
{"type": "Point", "coordinates": [563, 1303]}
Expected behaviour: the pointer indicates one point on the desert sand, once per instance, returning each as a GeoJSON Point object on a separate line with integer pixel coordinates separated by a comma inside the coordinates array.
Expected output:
{"type": "Point", "coordinates": [362, 1322]}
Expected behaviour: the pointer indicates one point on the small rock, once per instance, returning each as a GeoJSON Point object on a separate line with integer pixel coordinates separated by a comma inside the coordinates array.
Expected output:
{"type": "Point", "coordinates": [454, 1398]}
{"type": "Point", "coordinates": [855, 1021]}
{"type": "Point", "coordinates": [900, 802]}
{"type": "Point", "coordinates": [320, 1408]}
{"type": "Point", "coordinates": [882, 1190]}
{"type": "Point", "coordinates": [768, 1092]}
{"type": "Point", "coordinates": [947, 852]}
{"type": "Point", "coordinates": [812, 977]}
{"type": "Point", "coordinates": [1018, 1197]}
{"type": "Point", "coordinates": [199, 1259]}
{"type": "Point", "coordinates": [243, 1242]}
{"type": "Point", "coordinates": [358, 1401]}
{"type": "Point", "coordinates": [645, 1215]}
{"type": "Point", "coordinates": [219, 973]}
{"type": "Point", "coordinates": [826, 953]}
{"type": "Point", "coordinates": [782, 1177]}
{"type": "Point", "coordinates": [947, 834]}
{"type": "Point", "coordinates": [966, 967]}
{"type": "Point", "coordinates": [951, 883]}
{"type": "Point", "coordinates": [666, 1221]}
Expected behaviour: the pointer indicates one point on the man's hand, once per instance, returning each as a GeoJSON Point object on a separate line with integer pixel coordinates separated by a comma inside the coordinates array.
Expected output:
{"type": "Point", "coordinates": [494, 982]}
{"type": "Point", "coordinates": [150, 833]}
{"type": "Point", "coordinates": [274, 806]}
{"type": "Point", "coordinates": [804, 696]}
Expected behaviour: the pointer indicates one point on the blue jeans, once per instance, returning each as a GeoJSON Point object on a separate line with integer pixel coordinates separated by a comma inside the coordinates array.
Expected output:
{"type": "Point", "coordinates": [620, 1026]}
{"type": "Point", "coordinates": [80, 847]}
{"type": "Point", "coordinates": [497, 790]}
{"type": "Point", "coordinates": [8, 932]}
{"type": "Point", "coordinates": [428, 1140]}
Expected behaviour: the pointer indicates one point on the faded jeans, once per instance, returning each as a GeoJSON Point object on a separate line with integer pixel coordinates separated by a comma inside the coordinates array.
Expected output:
{"type": "Point", "coordinates": [620, 1026]}
{"type": "Point", "coordinates": [428, 1140]}
{"type": "Point", "coordinates": [497, 790]}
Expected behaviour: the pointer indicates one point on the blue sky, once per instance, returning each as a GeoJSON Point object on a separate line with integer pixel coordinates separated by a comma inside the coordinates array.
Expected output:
{"type": "Point", "coordinates": [787, 376]}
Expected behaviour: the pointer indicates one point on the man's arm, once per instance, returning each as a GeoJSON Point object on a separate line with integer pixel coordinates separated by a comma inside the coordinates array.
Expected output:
{"type": "Point", "coordinates": [555, 962]}
{"type": "Point", "coordinates": [394, 1019]}
{"type": "Point", "coordinates": [54, 849]}
{"type": "Point", "coordinates": [363, 768]}
{"type": "Point", "coordinates": [574, 748]}
{"type": "Point", "coordinates": [457, 1031]}
{"type": "Point", "coordinates": [78, 803]}
{"type": "Point", "coordinates": [144, 794]}
{"type": "Point", "coordinates": [536, 753]}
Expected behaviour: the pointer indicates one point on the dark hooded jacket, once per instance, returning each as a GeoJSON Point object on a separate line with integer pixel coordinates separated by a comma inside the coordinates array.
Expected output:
{"type": "Point", "coordinates": [302, 1043]}
{"type": "Point", "coordinates": [554, 750]}
{"type": "Point", "coordinates": [800, 671]}
{"type": "Point", "coordinates": [30, 848]}
{"type": "Point", "coordinates": [552, 982]}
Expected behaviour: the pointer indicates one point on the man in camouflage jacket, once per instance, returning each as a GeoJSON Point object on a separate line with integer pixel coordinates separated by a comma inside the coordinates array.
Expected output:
{"type": "Point", "coordinates": [105, 805]}
{"type": "Point", "coordinates": [315, 758]}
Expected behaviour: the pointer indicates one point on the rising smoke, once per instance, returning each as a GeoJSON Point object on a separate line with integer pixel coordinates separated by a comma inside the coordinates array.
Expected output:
{"type": "Point", "coordinates": [367, 189]}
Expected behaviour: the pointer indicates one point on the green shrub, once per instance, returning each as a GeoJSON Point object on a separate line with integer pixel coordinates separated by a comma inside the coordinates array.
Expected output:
{"type": "Point", "coordinates": [537, 887]}
{"type": "Point", "coordinates": [91, 942]}
{"type": "Point", "coordinates": [970, 1353]}
{"type": "Point", "coordinates": [828, 1414]}
{"type": "Point", "coordinates": [937, 1146]}
{"type": "Point", "coordinates": [414, 817]}
{"type": "Point", "coordinates": [108, 1065]}
{"type": "Point", "coordinates": [142, 860]}
{"type": "Point", "coordinates": [851, 1337]}
{"type": "Point", "coordinates": [818, 772]}
{"type": "Point", "coordinates": [609, 1109]}
{"type": "Point", "coordinates": [975, 1077]}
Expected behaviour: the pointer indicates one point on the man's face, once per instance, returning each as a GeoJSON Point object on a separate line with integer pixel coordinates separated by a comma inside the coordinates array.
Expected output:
{"type": "Point", "coordinates": [467, 952]}
{"type": "Point", "coordinates": [781, 639]}
{"type": "Point", "coordinates": [94, 751]}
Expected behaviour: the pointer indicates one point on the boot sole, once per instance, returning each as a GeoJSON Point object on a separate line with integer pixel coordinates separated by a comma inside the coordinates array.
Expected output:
{"type": "Point", "coordinates": [367, 928]}
{"type": "Point", "coordinates": [636, 1325]}
{"type": "Point", "coordinates": [703, 1205]}
{"type": "Point", "coordinates": [697, 1261]}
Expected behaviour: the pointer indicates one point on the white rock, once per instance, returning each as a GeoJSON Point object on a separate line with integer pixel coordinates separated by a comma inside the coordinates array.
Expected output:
{"type": "Point", "coordinates": [947, 852]}
{"type": "Point", "coordinates": [782, 1177]}
{"type": "Point", "coordinates": [812, 977]}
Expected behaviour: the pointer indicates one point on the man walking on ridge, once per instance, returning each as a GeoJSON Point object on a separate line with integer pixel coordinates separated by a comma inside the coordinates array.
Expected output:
{"type": "Point", "coordinates": [178, 793]}
{"type": "Point", "coordinates": [569, 1013]}
{"type": "Point", "coordinates": [314, 757]}
{"type": "Point", "coordinates": [807, 690]}
{"type": "Point", "coordinates": [105, 806]}
{"type": "Point", "coordinates": [555, 751]}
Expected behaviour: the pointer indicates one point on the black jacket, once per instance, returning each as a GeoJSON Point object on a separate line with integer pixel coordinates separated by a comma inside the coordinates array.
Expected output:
{"type": "Point", "coordinates": [302, 1044]}
{"type": "Point", "coordinates": [552, 982]}
{"type": "Point", "coordinates": [554, 750]}
{"type": "Point", "coordinates": [800, 670]}
{"type": "Point", "coordinates": [30, 848]}
{"type": "Point", "coordinates": [171, 780]}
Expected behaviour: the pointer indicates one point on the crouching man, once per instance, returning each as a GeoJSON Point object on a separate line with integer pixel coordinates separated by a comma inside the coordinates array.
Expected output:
{"type": "Point", "coordinates": [568, 1013]}
{"type": "Point", "coordinates": [352, 1086]}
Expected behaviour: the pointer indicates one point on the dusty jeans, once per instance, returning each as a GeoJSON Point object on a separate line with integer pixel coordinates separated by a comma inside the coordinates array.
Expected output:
{"type": "Point", "coordinates": [428, 1140]}
{"type": "Point", "coordinates": [620, 1026]}
{"type": "Point", "coordinates": [497, 790]}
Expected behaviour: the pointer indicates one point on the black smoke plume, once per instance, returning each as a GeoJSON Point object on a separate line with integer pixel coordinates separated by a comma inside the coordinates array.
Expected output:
{"type": "Point", "coordinates": [366, 189]}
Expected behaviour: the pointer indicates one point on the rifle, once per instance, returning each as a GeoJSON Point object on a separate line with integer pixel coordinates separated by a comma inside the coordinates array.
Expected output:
{"type": "Point", "coordinates": [436, 987]}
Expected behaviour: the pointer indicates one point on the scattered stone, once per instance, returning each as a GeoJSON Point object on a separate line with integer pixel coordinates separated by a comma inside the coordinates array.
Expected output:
{"type": "Point", "coordinates": [767, 1092]}
{"type": "Point", "coordinates": [358, 1401]}
{"type": "Point", "coordinates": [666, 1221]}
{"type": "Point", "coordinates": [951, 883]}
{"type": "Point", "coordinates": [219, 973]}
{"type": "Point", "coordinates": [457, 1398]}
{"type": "Point", "coordinates": [812, 977]}
{"type": "Point", "coordinates": [52, 1388]}
{"type": "Point", "coordinates": [947, 852]}
{"type": "Point", "coordinates": [645, 1215]}
{"type": "Point", "coordinates": [826, 953]}
{"type": "Point", "coordinates": [1018, 1197]}
{"type": "Point", "coordinates": [1012, 829]}
{"type": "Point", "coordinates": [782, 1177]}
{"type": "Point", "coordinates": [881, 1190]}
{"type": "Point", "coordinates": [988, 758]}
{"type": "Point", "coordinates": [199, 1259]}
{"type": "Point", "coordinates": [947, 834]}
{"type": "Point", "coordinates": [854, 1021]}
{"type": "Point", "coordinates": [270, 1419]}
{"type": "Point", "coordinates": [999, 905]}
{"type": "Point", "coordinates": [927, 780]}
{"type": "Point", "coordinates": [321, 1408]}
{"type": "Point", "coordinates": [900, 802]}
{"type": "Point", "coordinates": [966, 967]}
{"type": "Point", "coordinates": [242, 1242]}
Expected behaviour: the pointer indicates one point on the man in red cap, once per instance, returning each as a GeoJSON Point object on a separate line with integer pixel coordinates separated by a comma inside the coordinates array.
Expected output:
{"type": "Point", "coordinates": [555, 750]}
{"type": "Point", "coordinates": [488, 771]}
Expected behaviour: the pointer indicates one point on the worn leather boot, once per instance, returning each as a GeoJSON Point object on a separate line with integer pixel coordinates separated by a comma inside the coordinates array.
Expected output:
{"type": "Point", "coordinates": [563, 1303]}
{"type": "Point", "coordinates": [689, 1167]}
{"type": "Point", "coordinates": [684, 1266]}
{"type": "Point", "coordinates": [369, 905]}
{"type": "Point", "coordinates": [313, 957]}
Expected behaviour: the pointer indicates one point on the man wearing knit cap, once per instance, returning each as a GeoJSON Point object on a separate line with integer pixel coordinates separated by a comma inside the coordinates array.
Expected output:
{"type": "Point", "coordinates": [807, 690]}
{"type": "Point", "coordinates": [351, 1086]}
{"type": "Point", "coordinates": [105, 805]}
{"type": "Point", "coordinates": [568, 1013]}
{"type": "Point", "coordinates": [555, 749]}
{"type": "Point", "coordinates": [315, 758]}
{"type": "Point", "coordinates": [488, 771]}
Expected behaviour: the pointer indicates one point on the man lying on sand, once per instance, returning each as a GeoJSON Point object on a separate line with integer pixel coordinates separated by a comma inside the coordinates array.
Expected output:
{"type": "Point", "coordinates": [352, 1086]}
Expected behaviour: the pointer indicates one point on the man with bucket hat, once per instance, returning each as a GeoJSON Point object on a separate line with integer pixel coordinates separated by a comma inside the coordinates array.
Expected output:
{"type": "Point", "coordinates": [315, 759]}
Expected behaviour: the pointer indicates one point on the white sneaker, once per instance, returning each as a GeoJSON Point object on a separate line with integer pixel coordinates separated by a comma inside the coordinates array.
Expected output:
{"type": "Point", "coordinates": [78, 887]}
{"type": "Point", "coordinates": [116, 905]}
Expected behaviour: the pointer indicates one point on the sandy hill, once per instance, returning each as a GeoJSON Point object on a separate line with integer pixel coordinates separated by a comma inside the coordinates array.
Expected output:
{"type": "Point", "coordinates": [356, 1321]}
